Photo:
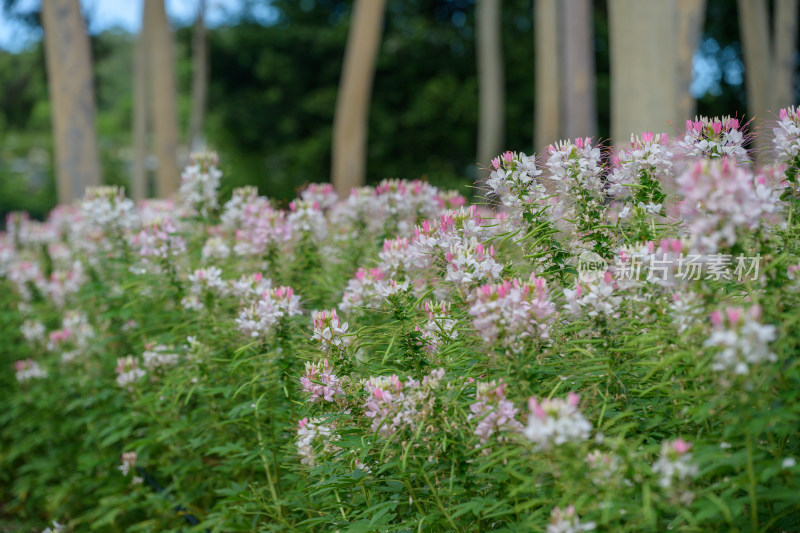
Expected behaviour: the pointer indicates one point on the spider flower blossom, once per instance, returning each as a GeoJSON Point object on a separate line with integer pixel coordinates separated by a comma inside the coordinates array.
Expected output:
{"type": "Point", "coordinates": [106, 209]}
{"type": "Point", "coordinates": [471, 262]}
{"type": "Point", "coordinates": [27, 369]}
{"type": "Point", "coordinates": [439, 327]}
{"type": "Point", "coordinates": [605, 468]}
{"type": "Point", "coordinates": [513, 179]}
{"type": "Point", "coordinates": [200, 184]}
{"type": "Point", "coordinates": [159, 239]}
{"type": "Point", "coordinates": [203, 282]}
{"type": "Point", "coordinates": [685, 310]}
{"type": "Point", "coordinates": [576, 164]}
{"type": "Point", "coordinates": [320, 383]}
{"type": "Point", "coordinates": [250, 286]}
{"type": "Point", "coordinates": [128, 460]}
{"type": "Point", "coordinates": [594, 299]}
{"type": "Point", "coordinates": [159, 356]}
{"type": "Point", "coordinates": [73, 339]}
{"type": "Point", "coordinates": [639, 171]}
{"type": "Point", "coordinates": [216, 248]}
{"type": "Point", "coordinates": [307, 219]}
{"type": "Point", "coordinates": [567, 521]}
{"type": "Point", "coordinates": [54, 528]}
{"type": "Point", "coordinates": [309, 431]}
{"type": "Point", "coordinates": [722, 199]}
{"type": "Point", "coordinates": [243, 205]}
{"type": "Point", "coordinates": [740, 340]}
{"type": "Point", "coordinates": [494, 413]}
{"type": "Point", "coordinates": [556, 422]}
{"type": "Point", "coordinates": [513, 312]}
{"type": "Point", "coordinates": [361, 290]}
{"type": "Point", "coordinates": [322, 194]}
{"type": "Point", "coordinates": [787, 135]}
{"type": "Point", "coordinates": [392, 404]}
{"type": "Point", "coordinates": [397, 257]}
{"type": "Point", "coordinates": [676, 468]}
{"type": "Point", "coordinates": [63, 283]}
{"type": "Point", "coordinates": [128, 371]}
{"type": "Point", "coordinates": [329, 331]}
{"type": "Point", "coordinates": [713, 138]}
{"type": "Point", "coordinates": [389, 288]}
{"type": "Point", "coordinates": [261, 318]}
{"type": "Point", "coordinates": [33, 331]}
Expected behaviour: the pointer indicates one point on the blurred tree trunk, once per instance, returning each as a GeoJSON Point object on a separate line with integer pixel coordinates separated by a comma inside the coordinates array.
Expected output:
{"type": "Point", "coordinates": [352, 103]}
{"type": "Point", "coordinates": [69, 73]}
{"type": "Point", "coordinates": [164, 96]}
{"type": "Point", "coordinates": [566, 103]}
{"type": "Point", "coordinates": [786, 21]}
{"type": "Point", "coordinates": [491, 82]}
{"type": "Point", "coordinates": [578, 103]}
{"type": "Point", "coordinates": [644, 66]}
{"type": "Point", "coordinates": [769, 60]}
{"type": "Point", "coordinates": [548, 94]}
{"type": "Point", "coordinates": [199, 80]}
{"type": "Point", "coordinates": [141, 82]}
{"type": "Point", "coordinates": [691, 16]}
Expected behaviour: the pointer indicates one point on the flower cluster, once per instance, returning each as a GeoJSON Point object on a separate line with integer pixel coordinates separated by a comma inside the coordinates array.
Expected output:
{"type": "Point", "coordinates": [567, 521]}
{"type": "Point", "coordinates": [439, 328]}
{"type": "Point", "coordinates": [306, 219]}
{"type": "Point", "coordinates": [513, 312]}
{"type": "Point", "coordinates": [638, 172]}
{"type": "Point", "coordinates": [200, 184]}
{"type": "Point", "coordinates": [676, 468]}
{"type": "Point", "coordinates": [740, 340]}
{"type": "Point", "coordinates": [605, 467]}
{"type": "Point", "coordinates": [128, 371]}
{"type": "Point", "coordinates": [250, 287]}
{"type": "Point", "coordinates": [159, 356]}
{"type": "Point", "coordinates": [106, 210]}
{"type": "Point", "coordinates": [576, 164]}
{"type": "Point", "coordinates": [471, 262]}
{"type": "Point", "coordinates": [713, 138]}
{"type": "Point", "coordinates": [260, 319]}
{"type": "Point", "coordinates": [74, 337]}
{"type": "Point", "coordinates": [553, 422]}
{"type": "Point", "coordinates": [361, 290]}
{"type": "Point", "coordinates": [494, 413]}
{"type": "Point", "coordinates": [321, 194]}
{"type": "Point", "coordinates": [578, 169]}
{"type": "Point", "coordinates": [392, 404]}
{"type": "Point", "coordinates": [203, 283]}
{"type": "Point", "coordinates": [597, 298]}
{"type": "Point", "coordinates": [721, 199]}
{"type": "Point", "coordinates": [320, 383]}
{"type": "Point", "coordinates": [309, 432]}
{"type": "Point", "coordinates": [514, 181]}
{"type": "Point", "coordinates": [29, 369]}
{"type": "Point", "coordinates": [159, 239]}
{"type": "Point", "coordinates": [329, 332]}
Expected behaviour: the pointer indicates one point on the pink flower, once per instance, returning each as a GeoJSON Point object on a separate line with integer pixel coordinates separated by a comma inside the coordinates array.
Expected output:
{"type": "Point", "coordinates": [495, 414]}
{"type": "Point", "coordinates": [320, 383]}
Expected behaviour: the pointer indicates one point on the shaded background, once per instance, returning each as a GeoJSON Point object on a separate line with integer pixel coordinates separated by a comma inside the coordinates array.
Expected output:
{"type": "Point", "coordinates": [274, 75]}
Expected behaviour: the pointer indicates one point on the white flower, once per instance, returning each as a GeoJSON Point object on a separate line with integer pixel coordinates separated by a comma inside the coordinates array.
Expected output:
{"type": "Point", "coordinates": [556, 422]}
{"type": "Point", "coordinates": [199, 184]}
{"type": "Point", "coordinates": [740, 339]}
{"type": "Point", "coordinates": [566, 521]}
{"type": "Point", "coordinates": [29, 369]}
{"type": "Point", "coordinates": [386, 289]}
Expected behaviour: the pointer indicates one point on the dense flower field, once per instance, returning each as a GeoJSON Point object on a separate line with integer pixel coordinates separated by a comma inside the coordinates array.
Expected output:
{"type": "Point", "coordinates": [607, 342]}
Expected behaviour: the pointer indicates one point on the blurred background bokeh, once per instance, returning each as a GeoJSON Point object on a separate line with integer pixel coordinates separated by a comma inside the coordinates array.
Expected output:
{"type": "Point", "coordinates": [258, 81]}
